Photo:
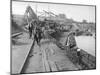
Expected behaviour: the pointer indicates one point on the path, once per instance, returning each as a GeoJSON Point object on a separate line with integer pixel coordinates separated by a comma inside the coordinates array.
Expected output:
{"type": "Point", "coordinates": [44, 58]}
{"type": "Point", "coordinates": [48, 57]}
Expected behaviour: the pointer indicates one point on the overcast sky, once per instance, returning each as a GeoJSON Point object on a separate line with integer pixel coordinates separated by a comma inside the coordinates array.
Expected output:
{"type": "Point", "coordinates": [76, 12]}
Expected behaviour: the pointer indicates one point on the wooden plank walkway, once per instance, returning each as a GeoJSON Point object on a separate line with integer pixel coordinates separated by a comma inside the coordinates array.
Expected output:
{"type": "Point", "coordinates": [44, 58]}
{"type": "Point", "coordinates": [48, 58]}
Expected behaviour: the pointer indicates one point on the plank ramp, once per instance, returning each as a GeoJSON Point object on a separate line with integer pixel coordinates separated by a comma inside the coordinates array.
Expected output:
{"type": "Point", "coordinates": [16, 34]}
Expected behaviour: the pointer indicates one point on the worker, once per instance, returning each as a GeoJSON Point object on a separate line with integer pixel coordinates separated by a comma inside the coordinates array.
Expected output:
{"type": "Point", "coordinates": [71, 41]}
{"type": "Point", "coordinates": [79, 55]}
{"type": "Point", "coordinates": [35, 35]}
{"type": "Point", "coordinates": [30, 30]}
{"type": "Point", "coordinates": [39, 34]}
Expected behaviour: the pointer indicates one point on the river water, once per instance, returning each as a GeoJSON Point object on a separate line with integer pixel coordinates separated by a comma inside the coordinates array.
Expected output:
{"type": "Point", "coordinates": [86, 43]}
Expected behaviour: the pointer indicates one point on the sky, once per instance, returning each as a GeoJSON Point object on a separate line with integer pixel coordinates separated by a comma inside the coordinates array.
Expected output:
{"type": "Point", "coordinates": [76, 12]}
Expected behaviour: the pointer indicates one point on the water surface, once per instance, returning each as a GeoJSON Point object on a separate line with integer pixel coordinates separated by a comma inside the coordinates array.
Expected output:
{"type": "Point", "coordinates": [86, 43]}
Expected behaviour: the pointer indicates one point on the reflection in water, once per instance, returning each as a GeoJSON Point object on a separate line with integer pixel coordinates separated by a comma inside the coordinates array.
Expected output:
{"type": "Point", "coordinates": [86, 43]}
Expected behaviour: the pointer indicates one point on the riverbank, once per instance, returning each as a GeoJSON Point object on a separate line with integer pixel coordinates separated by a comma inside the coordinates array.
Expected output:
{"type": "Point", "coordinates": [87, 56]}
{"type": "Point", "coordinates": [87, 43]}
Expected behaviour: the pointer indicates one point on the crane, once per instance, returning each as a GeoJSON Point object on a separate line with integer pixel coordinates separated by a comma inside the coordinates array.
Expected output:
{"type": "Point", "coordinates": [30, 15]}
